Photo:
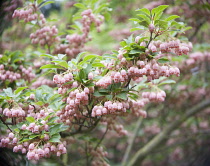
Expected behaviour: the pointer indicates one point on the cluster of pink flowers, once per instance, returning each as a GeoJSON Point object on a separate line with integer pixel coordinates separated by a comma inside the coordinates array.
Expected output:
{"type": "Point", "coordinates": [88, 18]}
{"type": "Point", "coordinates": [42, 81]}
{"type": "Point", "coordinates": [10, 75]}
{"type": "Point", "coordinates": [48, 148]}
{"type": "Point", "coordinates": [152, 70]}
{"type": "Point", "coordinates": [14, 112]}
{"type": "Point", "coordinates": [98, 155]}
{"type": "Point", "coordinates": [27, 14]}
{"type": "Point", "coordinates": [111, 123]}
{"type": "Point", "coordinates": [76, 101]}
{"type": "Point", "coordinates": [36, 152]}
{"type": "Point", "coordinates": [173, 46]}
{"type": "Point", "coordinates": [154, 96]}
{"type": "Point", "coordinates": [8, 141]}
{"type": "Point", "coordinates": [45, 36]}
{"type": "Point", "coordinates": [115, 77]}
{"type": "Point", "coordinates": [40, 62]}
{"type": "Point", "coordinates": [75, 42]}
{"type": "Point", "coordinates": [37, 112]}
{"type": "Point", "coordinates": [7, 74]}
{"type": "Point", "coordinates": [8, 8]}
{"type": "Point", "coordinates": [36, 128]}
{"type": "Point", "coordinates": [27, 73]}
{"type": "Point", "coordinates": [137, 106]}
{"type": "Point", "coordinates": [62, 79]}
{"type": "Point", "coordinates": [197, 57]}
{"type": "Point", "coordinates": [109, 108]}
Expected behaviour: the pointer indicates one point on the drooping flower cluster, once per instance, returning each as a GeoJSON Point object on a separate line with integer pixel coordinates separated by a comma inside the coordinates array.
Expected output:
{"type": "Point", "coordinates": [152, 70]}
{"type": "Point", "coordinates": [97, 153]}
{"type": "Point", "coordinates": [34, 150]}
{"type": "Point", "coordinates": [8, 8]}
{"type": "Point", "coordinates": [109, 108]}
{"type": "Point", "coordinates": [42, 81]}
{"type": "Point", "coordinates": [12, 75]}
{"type": "Point", "coordinates": [45, 36]}
{"type": "Point", "coordinates": [27, 14]}
{"type": "Point", "coordinates": [14, 112]}
{"type": "Point", "coordinates": [75, 42]}
{"type": "Point", "coordinates": [154, 96]}
{"type": "Point", "coordinates": [197, 57]}
{"type": "Point", "coordinates": [115, 77]}
{"type": "Point", "coordinates": [173, 47]}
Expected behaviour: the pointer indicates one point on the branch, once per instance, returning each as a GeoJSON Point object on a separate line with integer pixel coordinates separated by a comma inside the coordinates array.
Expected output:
{"type": "Point", "coordinates": [131, 142]}
{"type": "Point", "coordinates": [67, 134]}
{"type": "Point", "coordinates": [198, 27]}
{"type": "Point", "coordinates": [157, 140]}
{"type": "Point", "coordinates": [101, 138]}
{"type": "Point", "coordinates": [5, 123]}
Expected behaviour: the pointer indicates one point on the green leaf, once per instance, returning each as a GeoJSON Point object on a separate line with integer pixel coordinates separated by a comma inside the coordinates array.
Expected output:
{"type": "Point", "coordinates": [48, 55]}
{"type": "Point", "coordinates": [88, 57]}
{"type": "Point", "coordinates": [24, 140]}
{"type": "Point", "coordinates": [30, 119]}
{"type": "Point", "coordinates": [162, 24]}
{"type": "Point", "coordinates": [51, 66]}
{"type": "Point", "coordinates": [39, 1]}
{"type": "Point", "coordinates": [163, 60]}
{"type": "Point", "coordinates": [158, 16]}
{"type": "Point", "coordinates": [63, 64]}
{"type": "Point", "coordinates": [144, 18]}
{"type": "Point", "coordinates": [80, 5]}
{"type": "Point", "coordinates": [98, 94]}
{"type": "Point", "coordinates": [61, 56]}
{"type": "Point", "coordinates": [55, 138]}
{"type": "Point", "coordinates": [109, 97]}
{"type": "Point", "coordinates": [54, 129]}
{"type": "Point", "coordinates": [33, 136]}
{"type": "Point", "coordinates": [186, 28]}
{"type": "Point", "coordinates": [112, 56]}
{"type": "Point", "coordinates": [98, 64]}
{"type": "Point", "coordinates": [133, 96]}
{"type": "Point", "coordinates": [167, 82]}
{"type": "Point", "coordinates": [57, 128]}
{"type": "Point", "coordinates": [8, 92]}
{"type": "Point", "coordinates": [40, 103]}
{"type": "Point", "coordinates": [136, 29]}
{"type": "Point", "coordinates": [80, 56]}
{"type": "Point", "coordinates": [82, 74]}
{"type": "Point", "coordinates": [46, 3]}
{"type": "Point", "coordinates": [171, 18]}
{"type": "Point", "coordinates": [19, 89]}
{"type": "Point", "coordinates": [160, 8]}
{"type": "Point", "coordinates": [144, 10]}
{"type": "Point", "coordinates": [144, 23]}
{"type": "Point", "coordinates": [123, 43]}
{"type": "Point", "coordinates": [122, 96]}
{"type": "Point", "coordinates": [52, 120]}
{"type": "Point", "coordinates": [135, 19]}
{"type": "Point", "coordinates": [135, 51]}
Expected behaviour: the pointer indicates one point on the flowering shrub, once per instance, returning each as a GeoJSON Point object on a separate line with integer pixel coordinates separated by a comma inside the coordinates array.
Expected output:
{"type": "Point", "coordinates": [71, 92]}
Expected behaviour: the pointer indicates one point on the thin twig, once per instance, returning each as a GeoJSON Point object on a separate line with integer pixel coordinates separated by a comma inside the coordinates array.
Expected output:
{"type": "Point", "coordinates": [101, 138]}
{"type": "Point", "coordinates": [5, 123]}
